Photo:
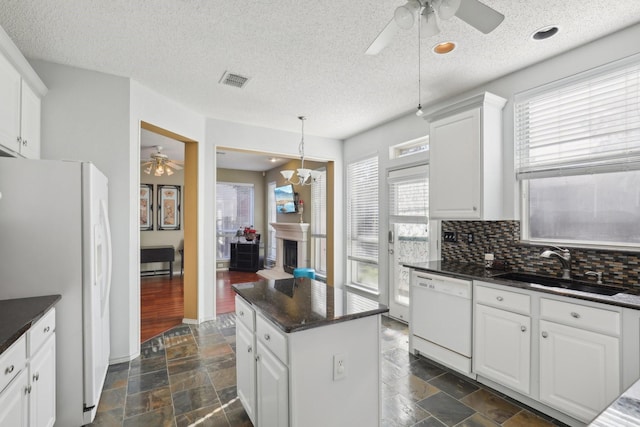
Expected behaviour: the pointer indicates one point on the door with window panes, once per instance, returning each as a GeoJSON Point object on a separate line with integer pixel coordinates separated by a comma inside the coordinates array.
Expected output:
{"type": "Point", "coordinates": [408, 231]}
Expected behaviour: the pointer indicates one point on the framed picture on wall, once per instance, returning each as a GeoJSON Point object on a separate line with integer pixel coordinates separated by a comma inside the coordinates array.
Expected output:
{"type": "Point", "coordinates": [168, 207]}
{"type": "Point", "coordinates": [146, 207]}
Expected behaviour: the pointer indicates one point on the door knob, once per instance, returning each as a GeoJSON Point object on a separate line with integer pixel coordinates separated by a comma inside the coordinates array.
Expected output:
{"type": "Point", "coordinates": [544, 334]}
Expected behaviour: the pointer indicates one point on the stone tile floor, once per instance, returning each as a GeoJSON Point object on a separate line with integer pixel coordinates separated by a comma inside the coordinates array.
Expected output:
{"type": "Point", "coordinates": [186, 376]}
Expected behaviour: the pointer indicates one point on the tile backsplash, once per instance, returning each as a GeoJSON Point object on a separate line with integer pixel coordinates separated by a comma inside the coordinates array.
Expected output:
{"type": "Point", "coordinates": [502, 238]}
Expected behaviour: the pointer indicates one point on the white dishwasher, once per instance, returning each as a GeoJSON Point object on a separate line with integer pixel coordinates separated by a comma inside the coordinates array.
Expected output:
{"type": "Point", "coordinates": [440, 319]}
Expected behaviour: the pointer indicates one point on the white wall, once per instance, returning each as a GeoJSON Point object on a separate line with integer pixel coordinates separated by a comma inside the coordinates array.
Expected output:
{"type": "Point", "coordinates": [407, 127]}
{"type": "Point", "coordinates": [227, 134]}
{"type": "Point", "coordinates": [85, 116]}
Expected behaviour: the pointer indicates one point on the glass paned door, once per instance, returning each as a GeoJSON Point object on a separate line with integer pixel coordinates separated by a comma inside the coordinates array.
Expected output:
{"type": "Point", "coordinates": [408, 232]}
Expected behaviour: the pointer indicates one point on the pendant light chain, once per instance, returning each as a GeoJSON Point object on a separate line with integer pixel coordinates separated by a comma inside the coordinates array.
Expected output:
{"type": "Point", "coordinates": [301, 146]}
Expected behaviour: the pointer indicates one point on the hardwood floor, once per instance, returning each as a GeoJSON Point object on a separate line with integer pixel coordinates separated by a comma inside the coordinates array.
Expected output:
{"type": "Point", "coordinates": [162, 301]}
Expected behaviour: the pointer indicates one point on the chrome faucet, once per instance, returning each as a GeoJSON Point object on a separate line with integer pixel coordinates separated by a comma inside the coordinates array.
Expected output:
{"type": "Point", "coordinates": [565, 258]}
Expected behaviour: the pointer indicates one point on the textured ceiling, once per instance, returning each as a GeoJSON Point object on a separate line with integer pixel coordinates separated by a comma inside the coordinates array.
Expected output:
{"type": "Point", "coordinates": [303, 57]}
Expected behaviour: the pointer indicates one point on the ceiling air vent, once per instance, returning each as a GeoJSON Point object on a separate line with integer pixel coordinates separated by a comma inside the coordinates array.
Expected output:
{"type": "Point", "coordinates": [235, 80]}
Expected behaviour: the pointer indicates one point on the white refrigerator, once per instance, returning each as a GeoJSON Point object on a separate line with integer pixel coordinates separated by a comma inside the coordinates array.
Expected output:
{"type": "Point", "coordinates": [55, 239]}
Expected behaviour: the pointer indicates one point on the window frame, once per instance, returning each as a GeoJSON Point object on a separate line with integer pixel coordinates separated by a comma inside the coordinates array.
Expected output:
{"type": "Point", "coordinates": [353, 262]}
{"type": "Point", "coordinates": [567, 169]}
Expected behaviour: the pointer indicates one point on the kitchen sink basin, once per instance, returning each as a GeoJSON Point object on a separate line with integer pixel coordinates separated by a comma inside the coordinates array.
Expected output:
{"type": "Point", "coordinates": [552, 282]}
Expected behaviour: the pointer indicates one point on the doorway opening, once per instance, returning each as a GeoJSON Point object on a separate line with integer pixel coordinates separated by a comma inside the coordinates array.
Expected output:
{"type": "Point", "coordinates": [168, 230]}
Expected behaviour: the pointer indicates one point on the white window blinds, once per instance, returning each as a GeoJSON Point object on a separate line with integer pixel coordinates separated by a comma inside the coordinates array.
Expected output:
{"type": "Point", "coordinates": [362, 210]}
{"type": "Point", "coordinates": [588, 123]}
{"type": "Point", "coordinates": [409, 192]}
{"type": "Point", "coordinates": [319, 205]}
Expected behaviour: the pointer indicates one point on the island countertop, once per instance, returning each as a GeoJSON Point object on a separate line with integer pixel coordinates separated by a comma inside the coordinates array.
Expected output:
{"type": "Point", "coordinates": [302, 303]}
{"type": "Point", "coordinates": [17, 316]}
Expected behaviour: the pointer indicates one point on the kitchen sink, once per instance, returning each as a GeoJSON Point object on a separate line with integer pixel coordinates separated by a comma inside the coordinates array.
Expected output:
{"type": "Point", "coordinates": [553, 282]}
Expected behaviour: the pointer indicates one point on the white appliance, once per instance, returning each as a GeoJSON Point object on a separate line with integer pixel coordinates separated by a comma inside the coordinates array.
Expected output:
{"type": "Point", "coordinates": [55, 239]}
{"type": "Point", "coordinates": [440, 320]}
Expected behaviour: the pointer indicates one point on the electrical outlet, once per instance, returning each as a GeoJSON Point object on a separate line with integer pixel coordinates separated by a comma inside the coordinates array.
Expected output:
{"type": "Point", "coordinates": [469, 237]}
{"type": "Point", "coordinates": [339, 366]}
{"type": "Point", "coordinates": [450, 236]}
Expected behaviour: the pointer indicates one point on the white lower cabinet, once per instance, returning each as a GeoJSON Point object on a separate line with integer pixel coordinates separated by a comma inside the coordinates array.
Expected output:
{"type": "Point", "coordinates": [28, 381]}
{"type": "Point", "coordinates": [561, 355]}
{"type": "Point", "coordinates": [14, 403]}
{"type": "Point", "coordinates": [502, 347]}
{"type": "Point", "coordinates": [579, 369]}
{"type": "Point", "coordinates": [272, 389]}
{"type": "Point", "coordinates": [246, 369]}
{"type": "Point", "coordinates": [42, 377]}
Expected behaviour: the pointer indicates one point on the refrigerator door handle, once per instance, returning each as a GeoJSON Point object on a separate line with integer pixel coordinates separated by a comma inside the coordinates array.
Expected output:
{"type": "Point", "coordinates": [107, 232]}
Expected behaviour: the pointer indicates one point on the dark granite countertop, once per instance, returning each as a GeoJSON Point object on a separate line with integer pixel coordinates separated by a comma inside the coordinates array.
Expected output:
{"type": "Point", "coordinates": [623, 412]}
{"type": "Point", "coordinates": [299, 304]}
{"type": "Point", "coordinates": [629, 298]}
{"type": "Point", "coordinates": [17, 316]}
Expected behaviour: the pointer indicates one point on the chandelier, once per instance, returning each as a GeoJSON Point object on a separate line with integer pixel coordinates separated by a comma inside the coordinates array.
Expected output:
{"type": "Point", "coordinates": [305, 176]}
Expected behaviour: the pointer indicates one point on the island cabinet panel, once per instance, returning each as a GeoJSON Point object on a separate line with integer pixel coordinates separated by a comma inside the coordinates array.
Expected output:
{"type": "Point", "coordinates": [273, 389]}
{"type": "Point", "coordinates": [246, 369]}
{"type": "Point", "coordinates": [319, 396]}
{"type": "Point", "coordinates": [317, 361]}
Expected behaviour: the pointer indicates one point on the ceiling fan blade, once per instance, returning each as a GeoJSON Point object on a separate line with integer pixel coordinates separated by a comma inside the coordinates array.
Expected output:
{"type": "Point", "coordinates": [383, 39]}
{"type": "Point", "coordinates": [173, 165]}
{"type": "Point", "coordinates": [479, 16]}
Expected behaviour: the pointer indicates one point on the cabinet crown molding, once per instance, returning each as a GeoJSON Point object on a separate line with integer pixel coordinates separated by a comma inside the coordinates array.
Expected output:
{"type": "Point", "coordinates": [17, 59]}
{"type": "Point", "coordinates": [482, 99]}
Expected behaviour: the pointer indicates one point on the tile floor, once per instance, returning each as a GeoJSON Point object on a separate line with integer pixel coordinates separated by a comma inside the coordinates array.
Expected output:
{"type": "Point", "coordinates": [186, 376]}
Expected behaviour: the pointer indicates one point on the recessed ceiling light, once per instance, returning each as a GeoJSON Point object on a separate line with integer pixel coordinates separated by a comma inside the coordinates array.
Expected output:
{"type": "Point", "coordinates": [545, 32]}
{"type": "Point", "coordinates": [442, 48]}
{"type": "Point", "coordinates": [273, 159]}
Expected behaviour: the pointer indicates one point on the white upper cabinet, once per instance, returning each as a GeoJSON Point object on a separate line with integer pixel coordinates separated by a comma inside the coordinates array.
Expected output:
{"type": "Point", "coordinates": [465, 173]}
{"type": "Point", "coordinates": [20, 93]}
{"type": "Point", "coordinates": [10, 84]}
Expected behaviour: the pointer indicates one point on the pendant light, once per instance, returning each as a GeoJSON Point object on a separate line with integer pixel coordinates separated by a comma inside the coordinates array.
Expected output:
{"type": "Point", "coordinates": [419, 112]}
{"type": "Point", "coordinates": [305, 176]}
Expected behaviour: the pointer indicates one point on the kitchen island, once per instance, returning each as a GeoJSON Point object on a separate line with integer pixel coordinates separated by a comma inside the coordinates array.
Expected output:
{"type": "Point", "coordinates": [308, 354]}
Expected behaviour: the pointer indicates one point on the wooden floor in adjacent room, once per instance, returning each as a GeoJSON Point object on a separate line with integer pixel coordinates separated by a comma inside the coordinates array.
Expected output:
{"type": "Point", "coordinates": [162, 300]}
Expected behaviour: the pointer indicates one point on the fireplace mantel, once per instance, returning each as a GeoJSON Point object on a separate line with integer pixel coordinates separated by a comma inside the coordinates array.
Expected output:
{"type": "Point", "coordinates": [288, 231]}
{"type": "Point", "coordinates": [291, 231]}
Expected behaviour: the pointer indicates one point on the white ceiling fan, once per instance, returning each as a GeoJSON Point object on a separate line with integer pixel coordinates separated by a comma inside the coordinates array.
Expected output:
{"type": "Point", "coordinates": [473, 12]}
{"type": "Point", "coordinates": [160, 163]}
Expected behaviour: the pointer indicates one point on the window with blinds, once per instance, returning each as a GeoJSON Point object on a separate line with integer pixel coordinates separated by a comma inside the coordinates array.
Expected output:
{"type": "Point", "coordinates": [362, 223]}
{"type": "Point", "coordinates": [234, 210]}
{"type": "Point", "coordinates": [578, 157]}
{"type": "Point", "coordinates": [319, 223]}
{"type": "Point", "coordinates": [272, 217]}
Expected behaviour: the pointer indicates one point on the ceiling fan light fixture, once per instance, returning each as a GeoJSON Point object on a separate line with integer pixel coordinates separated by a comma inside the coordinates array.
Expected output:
{"type": "Point", "coordinates": [429, 22]}
{"type": "Point", "coordinates": [446, 8]}
{"type": "Point", "coordinates": [287, 174]}
{"type": "Point", "coordinates": [444, 47]}
{"type": "Point", "coordinates": [404, 16]}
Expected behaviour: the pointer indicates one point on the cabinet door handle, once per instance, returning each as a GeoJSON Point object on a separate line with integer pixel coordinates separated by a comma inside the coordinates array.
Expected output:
{"type": "Point", "coordinates": [267, 337]}
{"type": "Point", "coordinates": [499, 298]}
{"type": "Point", "coordinates": [27, 390]}
{"type": "Point", "coordinates": [575, 315]}
{"type": "Point", "coordinates": [523, 328]}
{"type": "Point", "coordinates": [24, 142]}
{"type": "Point", "coordinates": [241, 313]}
{"type": "Point", "coordinates": [257, 357]}
{"type": "Point", "coordinates": [475, 208]}
{"type": "Point", "coordinates": [9, 369]}
{"type": "Point", "coordinates": [544, 334]}
{"type": "Point", "coordinates": [249, 349]}
{"type": "Point", "coordinates": [36, 376]}
{"type": "Point", "coordinates": [47, 329]}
